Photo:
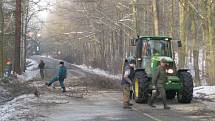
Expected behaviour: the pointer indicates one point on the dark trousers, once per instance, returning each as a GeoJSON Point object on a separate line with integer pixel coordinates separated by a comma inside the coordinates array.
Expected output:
{"type": "Point", "coordinates": [60, 79]}
{"type": "Point", "coordinates": [162, 92]}
{"type": "Point", "coordinates": [42, 73]}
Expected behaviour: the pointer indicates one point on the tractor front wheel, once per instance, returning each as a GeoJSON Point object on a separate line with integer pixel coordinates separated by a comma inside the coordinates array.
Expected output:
{"type": "Point", "coordinates": [186, 94]}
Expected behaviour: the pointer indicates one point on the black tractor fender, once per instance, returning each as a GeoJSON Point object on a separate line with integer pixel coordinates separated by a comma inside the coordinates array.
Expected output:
{"type": "Point", "coordinates": [137, 70]}
{"type": "Point", "coordinates": [183, 70]}
{"type": "Point", "coordinates": [139, 73]}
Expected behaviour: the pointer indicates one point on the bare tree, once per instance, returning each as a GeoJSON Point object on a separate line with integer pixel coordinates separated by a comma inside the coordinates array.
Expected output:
{"type": "Point", "coordinates": [1, 39]}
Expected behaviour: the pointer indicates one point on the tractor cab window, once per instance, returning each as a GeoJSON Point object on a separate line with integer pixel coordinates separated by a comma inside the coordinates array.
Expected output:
{"type": "Point", "coordinates": [155, 47]}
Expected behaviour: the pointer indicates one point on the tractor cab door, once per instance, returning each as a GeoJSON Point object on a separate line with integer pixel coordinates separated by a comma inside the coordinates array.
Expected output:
{"type": "Point", "coordinates": [146, 56]}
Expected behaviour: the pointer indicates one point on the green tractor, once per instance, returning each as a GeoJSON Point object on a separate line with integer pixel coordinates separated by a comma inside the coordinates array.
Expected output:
{"type": "Point", "coordinates": [149, 51]}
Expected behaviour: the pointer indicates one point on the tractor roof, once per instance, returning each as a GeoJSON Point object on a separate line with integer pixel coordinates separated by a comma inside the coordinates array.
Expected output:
{"type": "Point", "coordinates": [155, 38]}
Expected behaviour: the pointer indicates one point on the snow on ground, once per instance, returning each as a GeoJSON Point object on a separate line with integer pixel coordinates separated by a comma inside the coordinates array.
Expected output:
{"type": "Point", "coordinates": [18, 107]}
{"type": "Point", "coordinates": [206, 92]}
{"type": "Point", "coordinates": [98, 72]}
{"type": "Point", "coordinates": [46, 56]}
{"type": "Point", "coordinates": [31, 71]}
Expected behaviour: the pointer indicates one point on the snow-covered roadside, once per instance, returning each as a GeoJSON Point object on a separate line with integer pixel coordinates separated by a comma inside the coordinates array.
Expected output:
{"type": "Point", "coordinates": [204, 92]}
{"type": "Point", "coordinates": [18, 107]}
{"type": "Point", "coordinates": [26, 107]}
{"type": "Point", "coordinates": [98, 72]}
{"type": "Point", "coordinates": [31, 71]}
{"type": "Point", "coordinates": [46, 56]}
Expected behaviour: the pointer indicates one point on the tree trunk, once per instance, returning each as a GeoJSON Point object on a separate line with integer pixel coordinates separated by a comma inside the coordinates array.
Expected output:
{"type": "Point", "coordinates": [155, 16]}
{"type": "Point", "coordinates": [1, 40]}
{"type": "Point", "coordinates": [182, 51]}
{"type": "Point", "coordinates": [25, 32]}
{"type": "Point", "coordinates": [17, 67]}
{"type": "Point", "coordinates": [211, 43]}
{"type": "Point", "coordinates": [206, 23]}
{"type": "Point", "coordinates": [195, 51]}
{"type": "Point", "coordinates": [137, 11]}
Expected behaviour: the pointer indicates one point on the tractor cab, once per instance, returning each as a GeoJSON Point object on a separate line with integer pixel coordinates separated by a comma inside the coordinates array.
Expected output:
{"type": "Point", "coordinates": [150, 50]}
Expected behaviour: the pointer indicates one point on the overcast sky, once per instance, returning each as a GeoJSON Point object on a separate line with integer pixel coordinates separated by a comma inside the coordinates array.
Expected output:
{"type": "Point", "coordinates": [45, 3]}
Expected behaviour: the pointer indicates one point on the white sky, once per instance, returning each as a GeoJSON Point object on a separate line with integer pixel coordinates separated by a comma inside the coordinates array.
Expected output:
{"type": "Point", "coordinates": [44, 3]}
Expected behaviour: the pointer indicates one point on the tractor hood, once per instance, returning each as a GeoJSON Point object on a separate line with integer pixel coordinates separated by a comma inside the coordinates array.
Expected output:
{"type": "Point", "coordinates": [158, 58]}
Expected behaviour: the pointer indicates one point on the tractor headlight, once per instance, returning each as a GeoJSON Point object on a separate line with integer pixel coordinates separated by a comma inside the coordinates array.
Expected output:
{"type": "Point", "coordinates": [170, 71]}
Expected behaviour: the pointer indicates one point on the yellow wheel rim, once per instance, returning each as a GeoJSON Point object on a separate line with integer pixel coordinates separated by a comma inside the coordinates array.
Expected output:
{"type": "Point", "coordinates": [136, 88]}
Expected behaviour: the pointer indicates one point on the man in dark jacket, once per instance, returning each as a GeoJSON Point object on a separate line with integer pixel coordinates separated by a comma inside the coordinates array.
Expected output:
{"type": "Point", "coordinates": [158, 81]}
{"type": "Point", "coordinates": [62, 74]}
{"type": "Point", "coordinates": [126, 85]}
{"type": "Point", "coordinates": [41, 66]}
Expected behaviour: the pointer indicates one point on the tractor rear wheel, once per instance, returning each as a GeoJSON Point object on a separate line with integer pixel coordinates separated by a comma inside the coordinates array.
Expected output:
{"type": "Point", "coordinates": [141, 86]}
{"type": "Point", "coordinates": [186, 94]}
{"type": "Point", "coordinates": [170, 95]}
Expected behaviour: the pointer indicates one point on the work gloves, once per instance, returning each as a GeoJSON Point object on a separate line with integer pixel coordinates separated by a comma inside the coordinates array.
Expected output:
{"type": "Point", "coordinates": [154, 90]}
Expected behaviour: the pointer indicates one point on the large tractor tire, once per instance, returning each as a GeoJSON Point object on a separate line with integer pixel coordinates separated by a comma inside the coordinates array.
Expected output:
{"type": "Point", "coordinates": [170, 95]}
{"type": "Point", "coordinates": [141, 87]}
{"type": "Point", "coordinates": [186, 94]}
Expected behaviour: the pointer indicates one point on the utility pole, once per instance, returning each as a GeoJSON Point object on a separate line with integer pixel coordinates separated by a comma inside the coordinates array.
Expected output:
{"type": "Point", "coordinates": [17, 67]}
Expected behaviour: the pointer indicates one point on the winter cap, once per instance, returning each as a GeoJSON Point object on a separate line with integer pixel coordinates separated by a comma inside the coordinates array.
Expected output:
{"type": "Point", "coordinates": [163, 60]}
{"type": "Point", "coordinates": [61, 62]}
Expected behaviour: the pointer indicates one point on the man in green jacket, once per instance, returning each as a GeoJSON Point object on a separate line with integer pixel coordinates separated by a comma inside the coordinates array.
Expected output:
{"type": "Point", "coordinates": [158, 81]}
{"type": "Point", "coordinates": [62, 74]}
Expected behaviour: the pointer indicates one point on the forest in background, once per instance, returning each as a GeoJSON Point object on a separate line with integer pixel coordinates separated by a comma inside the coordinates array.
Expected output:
{"type": "Point", "coordinates": [97, 32]}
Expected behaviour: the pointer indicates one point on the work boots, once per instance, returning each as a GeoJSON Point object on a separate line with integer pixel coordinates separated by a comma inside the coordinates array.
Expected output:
{"type": "Point", "coordinates": [127, 107]}
{"type": "Point", "coordinates": [47, 84]}
{"type": "Point", "coordinates": [64, 89]}
{"type": "Point", "coordinates": [166, 107]}
{"type": "Point", "coordinates": [150, 102]}
{"type": "Point", "coordinates": [153, 106]}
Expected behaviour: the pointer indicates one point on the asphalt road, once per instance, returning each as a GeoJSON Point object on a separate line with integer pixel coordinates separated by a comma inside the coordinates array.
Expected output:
{"type": "Point", "coordinates": [105, 105]}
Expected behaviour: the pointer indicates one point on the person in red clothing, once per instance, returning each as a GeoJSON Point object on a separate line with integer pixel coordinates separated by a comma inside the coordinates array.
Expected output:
{"type": "Point", "coordinates": [9, 67]}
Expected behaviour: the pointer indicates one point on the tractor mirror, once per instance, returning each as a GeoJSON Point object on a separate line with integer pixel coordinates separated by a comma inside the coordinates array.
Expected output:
{"type": "Point", "coordinates": [133, 42]}
{"type": "Point", "coordinates": [179, 44]}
